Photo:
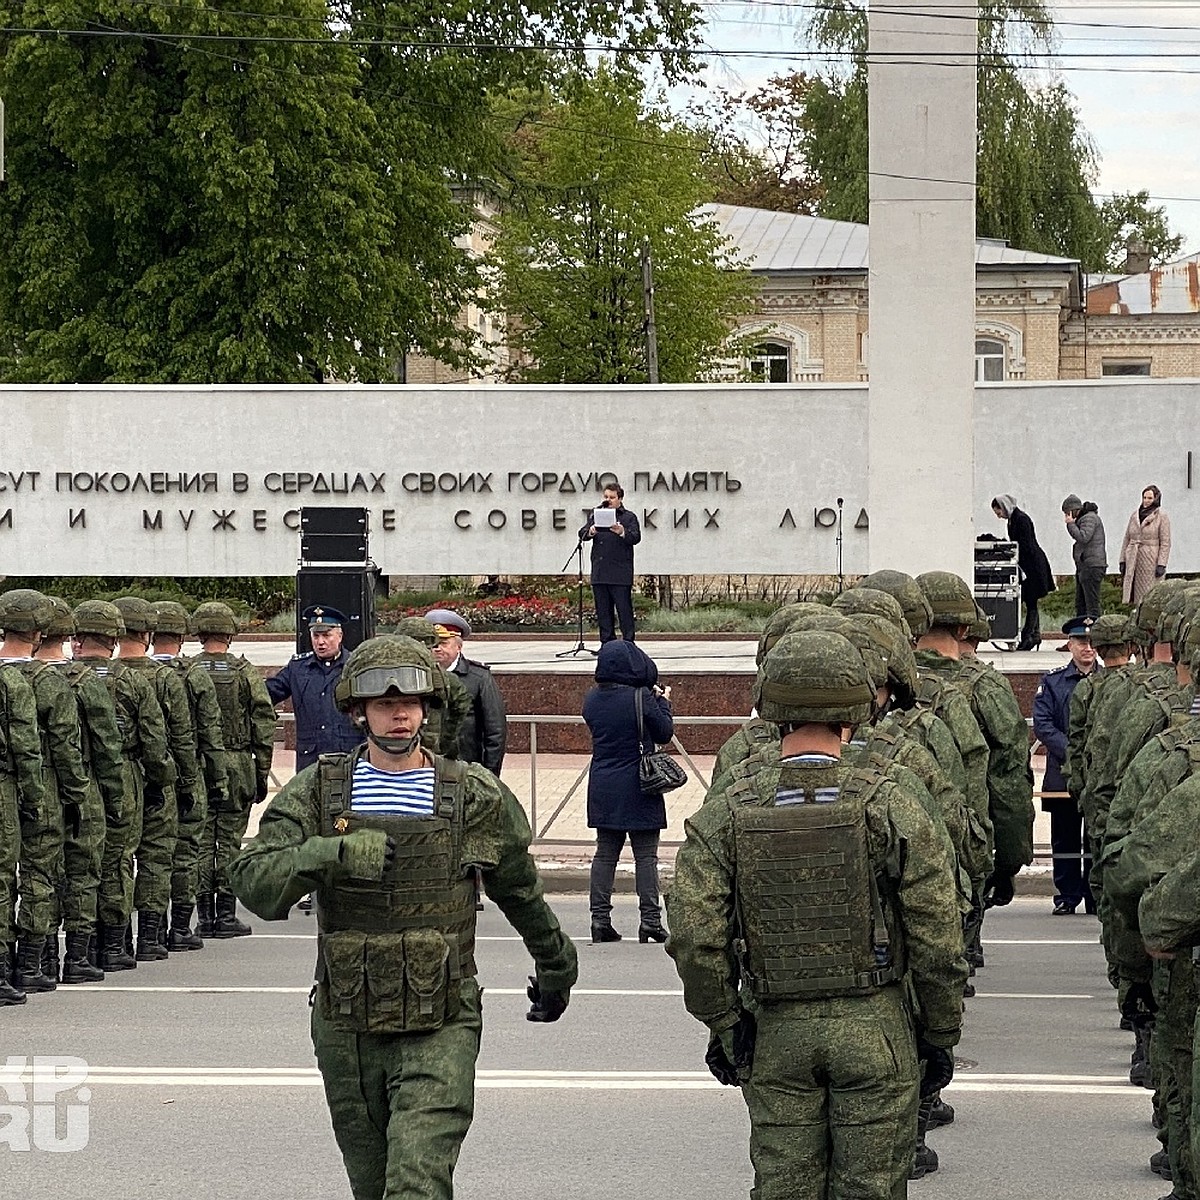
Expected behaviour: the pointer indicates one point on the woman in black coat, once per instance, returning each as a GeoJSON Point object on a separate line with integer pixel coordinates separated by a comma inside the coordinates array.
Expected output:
{"type": "Point", "coordinates": [616, 806]}
{"type": "Point", "coordinates": [1037, 580]}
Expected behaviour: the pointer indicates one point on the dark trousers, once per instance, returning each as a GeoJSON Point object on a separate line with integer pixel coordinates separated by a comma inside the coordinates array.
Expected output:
{"type": "Point", "coordinates": [1071, 865]}
{"type": "Point", "coordinates": [1087, 591]}
{"type": "Point", "coordinates": [1031, 632]}
{"type": "Point", "coordinates": [609, 844]}
{"type": "Point", "coordinates": [612, 597]}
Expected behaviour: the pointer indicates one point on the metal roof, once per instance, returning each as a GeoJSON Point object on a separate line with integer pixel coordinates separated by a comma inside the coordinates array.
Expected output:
{"type": "Point", "coordinates": [1172, 288]}
{"type": "Point", "coordinates": [773, 242]}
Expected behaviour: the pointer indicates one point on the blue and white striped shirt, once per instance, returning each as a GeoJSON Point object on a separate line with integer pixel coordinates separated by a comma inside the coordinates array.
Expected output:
{"type": "Point", "coordinates": [391, 794]}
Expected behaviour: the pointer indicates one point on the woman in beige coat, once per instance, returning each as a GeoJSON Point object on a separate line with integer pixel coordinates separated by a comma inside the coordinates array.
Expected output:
{"type": "Point", "coordinates": [1146, 547]}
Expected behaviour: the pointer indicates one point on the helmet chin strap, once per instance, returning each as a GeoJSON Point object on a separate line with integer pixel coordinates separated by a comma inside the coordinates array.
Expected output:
{"type": "Point", "coordinates": [400, 747]}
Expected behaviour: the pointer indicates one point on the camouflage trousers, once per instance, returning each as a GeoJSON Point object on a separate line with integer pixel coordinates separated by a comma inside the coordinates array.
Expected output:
{"type": "Point", "coordinates": [1173, 1028]}
{"type": "Point", "coordinates": [41, 864]}
{"type": "Point", "coordinates": [401, 1104]}
{"type": "Point", "coordinates": [225, 825]}
{"type": "Point", "coordinates": [83, 846]}
{"type": "Point", "coordinates": [115, 900]}
{"type": "Point", "coordinates": [832, 1099]}
{"type": "Point", "coordinates": [185, 865]}
{"type": "Point", "coordinates": [155, 854]}
{"type": "Point", "coordinates": [10, 850]}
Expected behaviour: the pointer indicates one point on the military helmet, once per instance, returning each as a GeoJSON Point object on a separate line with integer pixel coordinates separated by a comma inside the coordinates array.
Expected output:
{"type": "Point", "coordinates": [23, 610]}
{"type": "Point", "coordinates": [781, 621]}
{"type": "Point", "coordinates": [981, 627]}
{"type": "Point", "coordinates": [950, 598]}
{"type": "Point", "coordinates": [385, 664]}
{"type": "Point", "coordinates": [214, 617]}
{"type": "Point", "coordinates": [170, 617]}
{"type": "Point", "coordinates": [892, 645]}
{"type": "Point", "coordinates": [1146, 616]}
{"type": "Point", "coordinates": [1111, 629]}
{"type": "Point", "coordinates": [815, 676]}
{"type": "Point", "coordinates": [875, 602]}
{"type": "Point", "coordinates": [61, 623]}
{"type": "Point", "coordinates": [904, 589]}
{"type": "Point", "coordinates": [138, 614]}
{"type": "Point", "coordinates": [99, 618]}
{"type": "Point", "coordinates": [1175, 612]}
{"type": "Point", "coordinates": [419, 629]}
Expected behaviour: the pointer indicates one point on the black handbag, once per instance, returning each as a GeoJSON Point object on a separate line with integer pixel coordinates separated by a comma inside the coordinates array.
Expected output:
{"type": "Point", "coordinates": [657, 772]}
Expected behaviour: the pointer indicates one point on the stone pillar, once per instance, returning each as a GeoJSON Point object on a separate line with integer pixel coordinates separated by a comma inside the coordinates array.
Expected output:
{"type": "Point", "coordinates": [922, 285]}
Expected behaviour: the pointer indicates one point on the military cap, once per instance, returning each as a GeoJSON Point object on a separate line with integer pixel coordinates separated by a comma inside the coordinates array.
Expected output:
{"type": "Point", "coordinates": [138, 614]}
{"type": "Point", "coordinates": [1078, 627]}
{"type": "Point", "coordinates": [324, 616]}
{"type": "Point", "coordinates": [171, 617]}
{"type": "Point", "coordinates": [386, 664]}
{"type": "Point", "coordinates": [22, 610]}
{"type": "Point", "coordinates": [950, 598]}
{"type": "Point", "coordinates": [99, 618]}
{"type": "Point", "coordinates": [452, 625]}
{"type": "Point", "coordinates": [214, 617]}
{"type": "Point", "coordinates": [61, 623]}
{"type": "Point", "coordinates": [905, 589]}
{"type": "Point", "coordinates": [1111, 629]}
{"type": "Point", "coordinates": [815, 676]}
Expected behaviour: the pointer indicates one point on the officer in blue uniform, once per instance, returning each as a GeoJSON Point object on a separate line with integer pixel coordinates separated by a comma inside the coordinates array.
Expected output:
{"type": "Point", "coordinates": [309, 680]}
{"type": "Point", "coordinates": [1051, 707]}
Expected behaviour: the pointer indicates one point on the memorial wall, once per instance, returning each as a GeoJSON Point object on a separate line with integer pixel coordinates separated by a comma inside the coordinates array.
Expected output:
{"type": "Point", "coordinates": [741, 479]}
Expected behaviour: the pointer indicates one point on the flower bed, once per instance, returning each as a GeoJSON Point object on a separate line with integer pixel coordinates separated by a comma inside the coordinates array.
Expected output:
{"type": "Point", "coordinates": [500, 614]}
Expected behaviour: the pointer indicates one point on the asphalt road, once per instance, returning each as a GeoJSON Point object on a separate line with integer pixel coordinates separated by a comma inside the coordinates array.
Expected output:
{"type": "Point", "coordinates": [201, 1079]}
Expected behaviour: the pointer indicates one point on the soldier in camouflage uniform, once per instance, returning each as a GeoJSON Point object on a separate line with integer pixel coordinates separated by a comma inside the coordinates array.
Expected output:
{"type": "Point", "coordinates": [147, 772]}
{"type": "Point", "coordinates": [210, 783]}
{"type": "Point", "coordinates": [23, 616]}
{"type": "Point", "coordinates": [22, 800]}
{"type": "Point", "coordinates": [387, 837]}
{"type": "Point", "coordinates": [100, 747]}
{"type": "Point", "coordinates": [812, 1018]}
{"type": "Point", "coordinates": [248, 728]}
{"type": "Point", "coordinates": [445, 719]}
{"type": "Point", "coordinates": [1109, 635]}
{"type": "Point", "coordinates": [160, 823]}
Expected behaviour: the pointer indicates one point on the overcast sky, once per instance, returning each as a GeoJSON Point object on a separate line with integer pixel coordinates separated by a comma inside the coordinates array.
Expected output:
{"type": "Point", "coordinates": [1134, 67]}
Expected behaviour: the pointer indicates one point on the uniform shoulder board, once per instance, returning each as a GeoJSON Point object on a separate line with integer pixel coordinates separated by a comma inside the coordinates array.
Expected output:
{"type": "Point", "coordinates": [482, 666]}
{"type": "Point", "coordinates": [301, 657]}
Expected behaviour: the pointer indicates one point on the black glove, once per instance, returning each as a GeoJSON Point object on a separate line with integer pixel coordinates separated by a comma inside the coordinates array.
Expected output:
{"type": "Point", "coordinates": [545, 1007]}
{"type": "Point", "coordinates": [1139, 1005]}
{"type": "Point", "coordinates": [72, 821]}
{"type": "Point", "coordinates": [216, 797]}
{"type": "Point", "coordinates": [937, 1067]}
{"type": "Point", "coordinates": [1159, 572]}
{"type": "Point", "coordinates": [730, 1054]}
{"type": "Point", "coordinates": [153, 797]}
{"type": "Point", "coordinates": [998, 891]}
{"type": "Point", "coordinates": [260, 792]}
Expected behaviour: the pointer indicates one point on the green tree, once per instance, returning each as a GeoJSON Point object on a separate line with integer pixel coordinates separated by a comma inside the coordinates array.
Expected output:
{"type": "Point", "coordinates": [596, 172]}
{"type": "Point", "coordinates": [1130, 217]}
{"type": "Point", "coordinates": [259, 194]}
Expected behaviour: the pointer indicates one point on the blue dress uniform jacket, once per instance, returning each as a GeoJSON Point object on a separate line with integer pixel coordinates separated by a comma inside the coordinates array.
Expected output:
{"type": "Point", "coordinates": [1050, 709]}
{"type": "Point", "coordinates": [320, 728]}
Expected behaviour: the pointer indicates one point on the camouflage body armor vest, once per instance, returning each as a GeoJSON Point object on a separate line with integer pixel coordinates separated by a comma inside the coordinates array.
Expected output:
{"type": "Point", "coordinates": [808, 901]}
{"type": "Point", "coordinates": [32, 669]}
{"type": "Point", "coordinates": [226, 674]}
{"type": "Point", "coordinates": [392, 953]}
{"type": "Point", "coordinates": [74, 672]}
{"type": "Point", "coordinates": [8, 765]}
{"type": "Point", "coordinates": [110, 673]}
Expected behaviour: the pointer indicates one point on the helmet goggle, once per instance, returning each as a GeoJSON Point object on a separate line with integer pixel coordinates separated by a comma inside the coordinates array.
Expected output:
{"type": "Point", "coordinates": [408, 680]}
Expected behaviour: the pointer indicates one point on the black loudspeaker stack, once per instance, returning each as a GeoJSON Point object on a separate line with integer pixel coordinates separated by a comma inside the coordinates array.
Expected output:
{"type": "Point", "coordinates": [336, 570]}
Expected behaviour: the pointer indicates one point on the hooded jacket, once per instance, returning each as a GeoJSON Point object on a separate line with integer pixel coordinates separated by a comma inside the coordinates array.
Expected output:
{"type": "Point", "coordinates": [614, 800]}
{"type": "Point", "coordinates": [1088, 532]}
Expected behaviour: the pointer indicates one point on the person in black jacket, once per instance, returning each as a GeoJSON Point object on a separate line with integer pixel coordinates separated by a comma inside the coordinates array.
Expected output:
{"type": "Point", "coordinates": [612, 566]}
{"type": "Point", "coordinates": [1037, 580]}
{"type": "Point", "coordinates": [616, 805]}
{"type": "Point", "coordinates": [484, 729]}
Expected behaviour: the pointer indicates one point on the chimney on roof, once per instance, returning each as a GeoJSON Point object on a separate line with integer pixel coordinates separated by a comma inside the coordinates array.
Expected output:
{"type": "Point", "coordinates": [1137, 256]}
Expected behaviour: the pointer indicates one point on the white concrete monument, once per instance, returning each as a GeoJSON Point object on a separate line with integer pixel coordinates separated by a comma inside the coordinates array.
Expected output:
{"type": "Point", "coordinates": [922, 70]}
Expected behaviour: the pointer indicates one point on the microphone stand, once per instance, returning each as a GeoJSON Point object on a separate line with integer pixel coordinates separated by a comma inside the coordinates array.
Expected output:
{"type": "Point", "coordinates": [579, 647]}
{"type": "Point", "coordinates": [841, 578]}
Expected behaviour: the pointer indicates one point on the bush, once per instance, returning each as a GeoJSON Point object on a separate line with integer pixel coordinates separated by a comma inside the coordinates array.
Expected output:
{"type": "Point", "coordinates": [708, 618]}
{"type": "Point", "coordinates": [1055, 608]}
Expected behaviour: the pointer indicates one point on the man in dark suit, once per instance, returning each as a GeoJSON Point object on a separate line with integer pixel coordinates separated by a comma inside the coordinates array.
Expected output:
{"type": "Point", "coordinates": [483, 731]}
{"type": "Point", "coordinates": [309, 680]}
{"type": "Point", "coordinates": [612, 565]}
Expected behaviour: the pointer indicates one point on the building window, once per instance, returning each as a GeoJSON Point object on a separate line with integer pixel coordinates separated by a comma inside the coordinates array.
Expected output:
{"type": "Point", "coordinates": [990, 357]}
{"type": "Point", "coordinates": [1125, 366]}
{"type": "Point", "coordinates": [771, 363]}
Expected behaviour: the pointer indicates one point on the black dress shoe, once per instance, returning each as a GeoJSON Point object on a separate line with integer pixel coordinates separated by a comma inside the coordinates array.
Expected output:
{"type": "Point", "coordinates": [1063, 909]}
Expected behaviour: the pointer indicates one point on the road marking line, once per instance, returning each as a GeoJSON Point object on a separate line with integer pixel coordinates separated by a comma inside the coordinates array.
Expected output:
{"type": "Point", "coordinates": [1033, 995]}
{"type": "Point", "coordinates": [1095, 941]}
{"type": "Point", "coordinates": [202, 990]}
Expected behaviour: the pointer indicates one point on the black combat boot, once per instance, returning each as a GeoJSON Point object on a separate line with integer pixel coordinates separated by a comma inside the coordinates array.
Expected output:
{"type": "Point", "coordinates": [29, 977]}
{"type": "Point", "coordinates": [603, 931]}
{"type": "Point", "coordinates": [50, 963]}
{"type": "Point", "coordinates": [940, 1113]}
{"type": "Point", "coordinates": [76, 967]}
{"type": "Point", "coordinates": [9, 993]}
{"type": "Point", "coordinates": [148, 949]}
{"type": "Point", "coordinates": [925, 1159]}
{"type": "Point", "coordinates": [1160, 1163]}
{"type": "Point", "coordinates": [227, 924]}
{"type": "Point", "coordinates": [1139, 1062]}
{"type": "Point", "coordinates": [113, 956]}
{"type": "Point", "coordinates": [164, 926]}
{"type": "Point", "coordinates": [181, 936]}
{"type": "Point", "coordinates": [204, 906]}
